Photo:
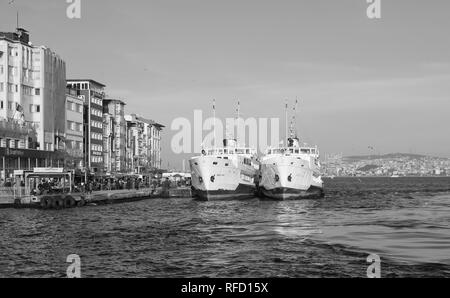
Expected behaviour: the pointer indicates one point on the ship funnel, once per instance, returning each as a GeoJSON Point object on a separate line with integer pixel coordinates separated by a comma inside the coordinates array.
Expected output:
{"type": "Point", "coordinates": [293, 142]}
{"type": "Point", "coordinates": [229, 143]}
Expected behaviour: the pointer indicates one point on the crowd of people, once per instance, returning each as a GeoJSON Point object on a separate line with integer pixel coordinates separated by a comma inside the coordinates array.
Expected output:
{"type": "Point", "coordinates": [115, 184]}
{"type": "Point", "coordinates": [58, 185]}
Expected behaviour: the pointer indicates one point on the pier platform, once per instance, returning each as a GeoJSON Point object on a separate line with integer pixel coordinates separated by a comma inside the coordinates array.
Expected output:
{"type": "Point", "coordinates": [63, 201]}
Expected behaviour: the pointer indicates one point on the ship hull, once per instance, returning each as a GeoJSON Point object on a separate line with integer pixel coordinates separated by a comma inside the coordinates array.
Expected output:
{"type": "Point", "coordinates": [240, 193]}
{"type": "Point", "coordinates": [284, 193]}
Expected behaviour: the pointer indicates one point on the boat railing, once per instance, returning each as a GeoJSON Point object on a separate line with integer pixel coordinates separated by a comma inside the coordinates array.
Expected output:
{"type": "Point", "coordinates": [293, 150]}
{"type": "Point", "coordinates": [229, 151]}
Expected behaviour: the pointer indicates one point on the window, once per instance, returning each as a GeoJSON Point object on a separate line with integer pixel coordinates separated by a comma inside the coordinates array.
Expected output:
{"type": "Point", "coordinates": [1, 105]}
{"type": "Point", "coordinates": [35, 108]}
{"type": "Point", "coordinates": [10, 104]}
{"type": "Point", "coordinates": [37, 91]}
{"type": "Point", "coordinates": [2, 85]}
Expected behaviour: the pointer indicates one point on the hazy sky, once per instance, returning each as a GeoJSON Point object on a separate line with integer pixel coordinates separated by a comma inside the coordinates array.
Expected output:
{"type": "Point", "coordinates": [382, 83]}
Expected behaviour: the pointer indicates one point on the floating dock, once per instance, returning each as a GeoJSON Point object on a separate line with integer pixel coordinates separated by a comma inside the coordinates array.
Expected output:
{"type": "Point", "coordinates": [73, 200]}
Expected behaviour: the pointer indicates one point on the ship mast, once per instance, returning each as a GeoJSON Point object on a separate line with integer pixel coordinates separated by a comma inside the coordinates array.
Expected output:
{"type": "Point", "coordinates": [238, 112]}
{"type": "Point", "coordinates": [286, 120]}
{"type": "Point", "coordinates": [214, 117]}
{"type": "Point", "coordinates": [294, 121]}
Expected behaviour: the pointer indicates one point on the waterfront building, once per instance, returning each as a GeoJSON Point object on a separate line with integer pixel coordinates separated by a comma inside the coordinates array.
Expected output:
{"type": "Point", "coordinates": [32, 87]}
{"type": "Point", "coordinates": [74, 130]}
{"type": "Point", "coordinates": [92, 93]}
{"type": "Point", "coordinates": [32, 105]}
{"type": "Point", "coordinates": [114, 136]}
{"type": "Point", "coordinates": [143, 144]}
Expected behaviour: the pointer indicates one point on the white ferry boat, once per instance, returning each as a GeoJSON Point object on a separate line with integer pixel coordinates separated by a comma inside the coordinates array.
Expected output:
{"type": "Point", "coordinates": [224, 173]}
{"type": "Point", "coordinates": [291, 172]}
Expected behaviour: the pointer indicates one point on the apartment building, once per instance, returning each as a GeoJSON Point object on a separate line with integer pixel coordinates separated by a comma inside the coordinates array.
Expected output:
{"type": "Point", "coordinates": [92, 94]}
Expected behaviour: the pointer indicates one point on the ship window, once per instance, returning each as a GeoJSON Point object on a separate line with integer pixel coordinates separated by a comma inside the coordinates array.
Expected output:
{"type": "Point", "coordinates": [226, 157]}
{"type": "Point", "coordinates": [215, 163]}
{"type": "Point", "coordinates": [297, 151]}
{"type": "Point", "coordinates": [226, 165]}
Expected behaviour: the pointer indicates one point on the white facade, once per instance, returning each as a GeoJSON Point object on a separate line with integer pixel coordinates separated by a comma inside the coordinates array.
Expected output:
{"type": "Point", "coordinates": [143, 143]}
{"type": "Point", "coordinates": [32, 87]}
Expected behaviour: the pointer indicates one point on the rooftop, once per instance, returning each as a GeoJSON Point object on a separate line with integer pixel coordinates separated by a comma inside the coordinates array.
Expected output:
{"type": "Point", "coordinates": [106, 100]}
{"type": "Point", "coordinates": [85, 80]}
{"type": "Point", "coordinates": [21, 35]}
{"type": "Point", "coordinates": [135, 117]}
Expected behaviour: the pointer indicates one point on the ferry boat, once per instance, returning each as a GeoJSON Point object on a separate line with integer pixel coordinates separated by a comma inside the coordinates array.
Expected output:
{"type": "Point", "coordinates": [291, 172]}
{"type": "Point", "coordinates": [224, 173]}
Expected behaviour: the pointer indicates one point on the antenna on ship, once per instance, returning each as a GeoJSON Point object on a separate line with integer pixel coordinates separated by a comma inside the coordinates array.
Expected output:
{"type": "Point", "coordinates": [286, 120]}
{"type": "Point", "coordinates": [214, 119]}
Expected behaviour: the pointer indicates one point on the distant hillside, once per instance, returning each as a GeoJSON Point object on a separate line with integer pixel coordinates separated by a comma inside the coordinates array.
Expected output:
{"type": "Point", "coordinates": [385, 156]}
{"type": "Point", "coordinates": [368, 168]}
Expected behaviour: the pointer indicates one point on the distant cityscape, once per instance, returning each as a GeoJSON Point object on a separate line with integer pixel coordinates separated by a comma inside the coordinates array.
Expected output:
{"type": "Point", "coordinates": [385, 165]}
